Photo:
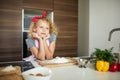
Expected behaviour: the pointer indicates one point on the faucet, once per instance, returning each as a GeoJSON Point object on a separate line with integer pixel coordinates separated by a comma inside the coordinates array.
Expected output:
{"type": "Point", "coordinates": [117, 55]}
{"type": "Point", "coordinates": [113, 30]}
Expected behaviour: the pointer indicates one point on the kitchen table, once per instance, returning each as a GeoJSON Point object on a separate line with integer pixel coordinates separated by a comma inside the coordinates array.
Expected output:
{"type": "Point", "coordinates": [76, 73]}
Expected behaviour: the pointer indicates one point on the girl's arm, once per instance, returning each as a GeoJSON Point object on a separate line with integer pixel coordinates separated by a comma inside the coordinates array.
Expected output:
{"type": "Point", "coordinates": [41, 50]}
{"type": "Point", "coordinates": [44, 51]}
{"type": "Point", "coordinates": [39, 53]}
{"type": "Point", "coordinates": [49, 50]}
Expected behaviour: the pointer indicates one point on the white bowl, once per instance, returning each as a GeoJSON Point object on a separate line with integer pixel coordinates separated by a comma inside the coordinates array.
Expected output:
{"type": "Point", "coordinates": [31, 74]}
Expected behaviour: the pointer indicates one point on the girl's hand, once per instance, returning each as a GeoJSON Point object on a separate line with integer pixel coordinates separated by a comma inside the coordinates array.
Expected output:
{"type": "Point", "coordinates": [35, 35]}
{"type": "Point", "coordinates": [47, 36]}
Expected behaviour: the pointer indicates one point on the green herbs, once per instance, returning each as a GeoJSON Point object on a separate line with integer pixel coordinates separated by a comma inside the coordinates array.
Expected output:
{"type": "Point", "coordinates": [105, 55]}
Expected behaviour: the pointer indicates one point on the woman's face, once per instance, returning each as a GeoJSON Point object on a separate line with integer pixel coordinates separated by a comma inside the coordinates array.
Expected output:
{"type": "Point", "coordinates": [42, 28]}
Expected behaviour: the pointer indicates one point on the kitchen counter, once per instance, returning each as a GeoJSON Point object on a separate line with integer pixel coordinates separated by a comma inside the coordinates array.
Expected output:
{"type": "Point", "coordinates": [76, 73]}
{"type": "Point", "coordinates": [71, 72]}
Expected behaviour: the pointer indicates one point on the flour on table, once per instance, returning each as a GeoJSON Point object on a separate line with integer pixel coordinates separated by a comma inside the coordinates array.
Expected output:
{"type": "Point", "coordinates": [56, 60]}
{"type": "Point", "coordinates": [8, 68]}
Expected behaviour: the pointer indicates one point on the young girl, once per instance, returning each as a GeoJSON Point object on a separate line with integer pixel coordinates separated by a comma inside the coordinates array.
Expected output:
{"type": "Point", "coordinates": [41, 39]}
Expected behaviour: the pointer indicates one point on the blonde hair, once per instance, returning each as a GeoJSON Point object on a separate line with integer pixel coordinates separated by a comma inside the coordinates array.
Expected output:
{"type": "Point", "coordinates": [53, 28]}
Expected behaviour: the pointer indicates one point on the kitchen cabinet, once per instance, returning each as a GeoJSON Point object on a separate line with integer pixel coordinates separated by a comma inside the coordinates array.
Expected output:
{"type": "Point", "coordinates": [10, 30]}
{"type": "Point", "coordinates": [38, 4]}
{"type": "Point", "coordinates": [66, 18]}
{"type": "Point", "coordinates": [11, 26]}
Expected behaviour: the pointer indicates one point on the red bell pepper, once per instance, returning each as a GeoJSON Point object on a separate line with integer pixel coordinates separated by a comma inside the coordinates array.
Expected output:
{"type": "Point", "coordinates": [113, 67]}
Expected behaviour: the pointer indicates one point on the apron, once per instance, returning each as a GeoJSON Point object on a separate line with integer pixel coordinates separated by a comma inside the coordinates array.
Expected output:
{"type": "Point", "coordinates": [37, 43]}
{"type": "Point", "coordinates": [32, 57]}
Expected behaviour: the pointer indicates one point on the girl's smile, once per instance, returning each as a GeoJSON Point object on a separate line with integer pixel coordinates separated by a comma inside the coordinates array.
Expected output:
{"type": "Point", "coordinates": [42, 28]}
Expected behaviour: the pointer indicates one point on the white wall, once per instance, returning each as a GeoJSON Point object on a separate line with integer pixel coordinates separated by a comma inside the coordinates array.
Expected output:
{"type": "Point", "coordinates": [102, 17]}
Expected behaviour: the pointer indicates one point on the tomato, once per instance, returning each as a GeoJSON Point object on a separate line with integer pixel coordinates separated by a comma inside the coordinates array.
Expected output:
{"type": "Point", "coordinates": [113, 67]}
{"type": "Point", "coordinates": [102, 66]}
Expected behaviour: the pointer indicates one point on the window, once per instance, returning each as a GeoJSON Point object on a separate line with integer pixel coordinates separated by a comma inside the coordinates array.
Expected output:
{"type": "Point", "coordinates": [28, 14]}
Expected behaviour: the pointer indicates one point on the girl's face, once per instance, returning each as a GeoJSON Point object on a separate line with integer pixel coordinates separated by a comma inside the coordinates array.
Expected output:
{"type": "Point", "coordinates": [42, 28]}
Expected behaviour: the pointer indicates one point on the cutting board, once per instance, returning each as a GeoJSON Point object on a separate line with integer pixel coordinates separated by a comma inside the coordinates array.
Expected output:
{"type": "Point", "coordinates": [73, 61]}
